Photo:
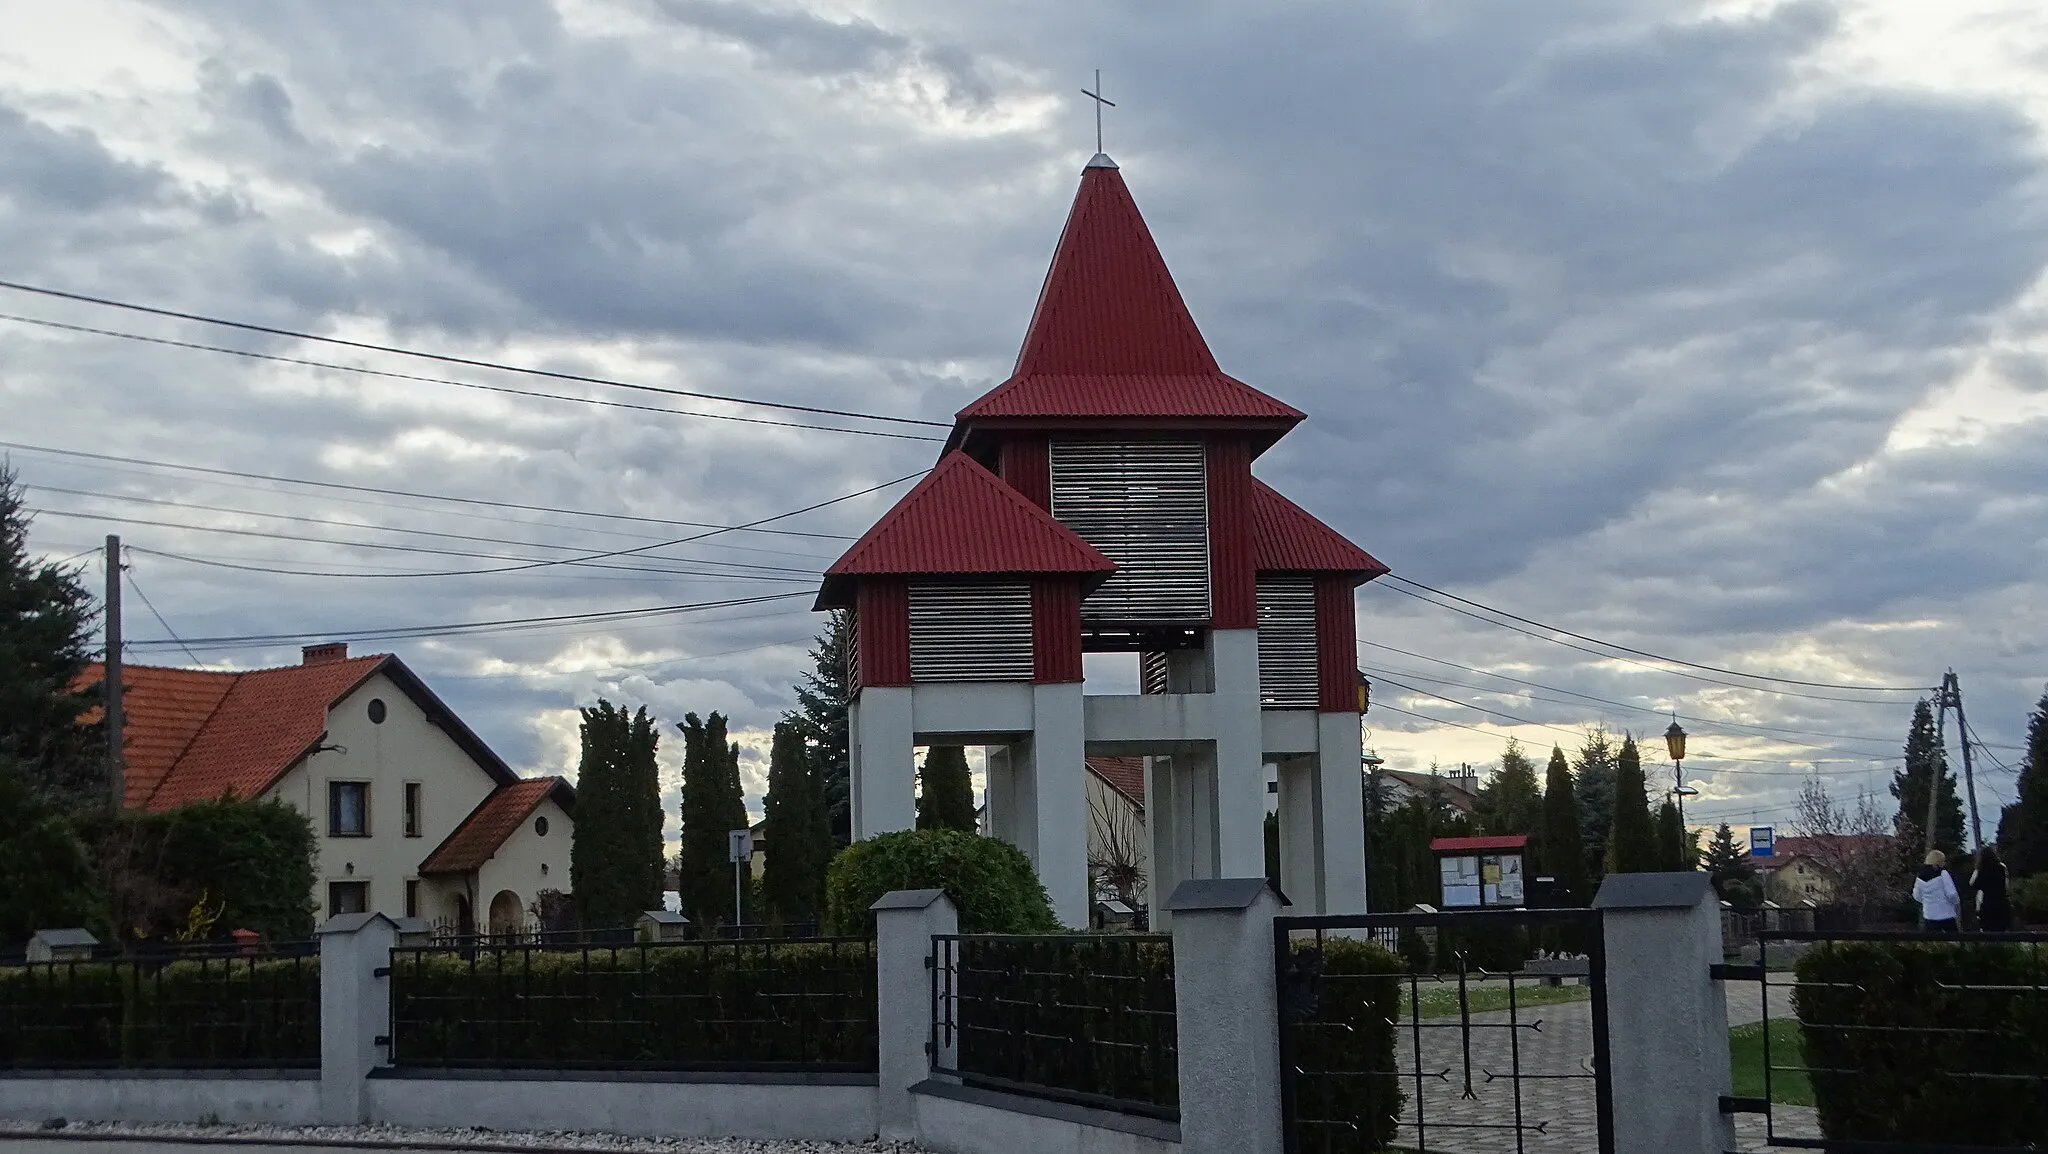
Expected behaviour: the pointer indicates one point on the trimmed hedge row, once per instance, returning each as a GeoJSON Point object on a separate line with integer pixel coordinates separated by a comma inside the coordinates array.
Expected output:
{"type": "Point", "coordinates": [1927, 1041]}
{"type": "Point", "coordinates": [1342, 1043]}
{"type": "Point", "coordinates": [694, 1005]}
{"type": "Point", "coordinates": [207, 1012]}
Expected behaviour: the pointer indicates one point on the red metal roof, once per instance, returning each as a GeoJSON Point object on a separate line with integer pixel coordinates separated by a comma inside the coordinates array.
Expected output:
{"type": "Point", "coordinates": [961, 519]}
{"type": "Point", "coordinates": [1286, 537]}
{"type": "Point", "coordinates": [1111, 336]}
{"type": "Point", "coordinates": [1126, 775]}
{"type": "Point", "coordinates": [1478, 844]}
{"type": "Point", "coordinates": [484, 831]}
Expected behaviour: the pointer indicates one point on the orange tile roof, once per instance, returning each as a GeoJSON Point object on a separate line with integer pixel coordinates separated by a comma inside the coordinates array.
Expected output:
{"type": "Point", "coordinates": [1126, 775]}
{"type": "Point", "coordinates": [494, 819]}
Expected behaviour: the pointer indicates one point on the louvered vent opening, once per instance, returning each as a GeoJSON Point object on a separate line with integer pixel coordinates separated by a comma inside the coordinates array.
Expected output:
{"type": "Point", "coordinates": [1287, 642]}
{"type": "Point", "coordinates": [1152, 673]}
{"type": "Point", "coordinates": [1145, 505]}
{"type": "Point", "coordinates": [851, 641]}
{"type": "Point", "coordinates": [961, 632]}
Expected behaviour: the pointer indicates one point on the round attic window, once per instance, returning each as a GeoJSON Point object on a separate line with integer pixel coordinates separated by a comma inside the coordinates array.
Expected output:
{"type": "Point", "coordinates": [376, 711]}
{"type": "Point", "coordinates": [540, 827]}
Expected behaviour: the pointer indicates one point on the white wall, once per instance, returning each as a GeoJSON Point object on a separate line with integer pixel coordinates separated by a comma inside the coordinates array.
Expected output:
{"type": "Point", "coordinates": [527, 863]}
{"type": "Point", "coordinates": [406, 747]}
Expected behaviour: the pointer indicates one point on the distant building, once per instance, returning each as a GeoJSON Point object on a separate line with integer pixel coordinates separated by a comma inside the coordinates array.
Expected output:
{"type": "Point", "coordinates": [1799, 868]}
{"type": "Point", "coordinates": [1460, 791]}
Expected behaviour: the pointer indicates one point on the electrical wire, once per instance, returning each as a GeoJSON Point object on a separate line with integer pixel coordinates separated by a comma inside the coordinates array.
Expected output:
{"type": "Point", "coordinates": [133, 584]}
{"type": "Point", "coordinates": [449, 359]}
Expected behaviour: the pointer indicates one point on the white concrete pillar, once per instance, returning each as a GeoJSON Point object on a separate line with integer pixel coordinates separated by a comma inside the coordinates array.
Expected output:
{"type": "Point", "coordinates": [1667, 1018]}
{"type": "Point", "coordinates": [883, 761]}
{"type": "Point", "coordinates": [1002, 796]}
{"type": "Point", "coordinates": [1340, 814]}
{"type": "Point", "coordinates": [1059, 787]}
{"type": "Point", "coordinates": [905, 922]}
{"type": "Point", "coordinates": [1240, 775]}
{"type": "Point", "coordinates": [1227, 1016]}
{"type": "Point", "coordinates": [355, 1011]}
{"type": "Point", "coordinates": [1163, 821]}
{"type": "Point", "coordinates": [1301, 834]}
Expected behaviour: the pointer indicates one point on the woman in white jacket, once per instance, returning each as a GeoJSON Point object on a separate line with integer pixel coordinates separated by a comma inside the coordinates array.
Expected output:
{"type": "Point", "coordinates": [1936, 893]}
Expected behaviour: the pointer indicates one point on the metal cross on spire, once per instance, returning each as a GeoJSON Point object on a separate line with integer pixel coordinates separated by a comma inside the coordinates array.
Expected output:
{"type": "Point", "coordinates": [1099, 102]}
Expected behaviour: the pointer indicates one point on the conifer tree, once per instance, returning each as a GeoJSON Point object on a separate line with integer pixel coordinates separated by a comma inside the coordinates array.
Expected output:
{"type": "Point", "coordinates": [2023, 826]}
{"type": "Point", "coordinates": [1517, 800]}
{"type": "Point", "coordinates": [945, 799]}
{"type": "Point", "coordinates": [46, 642]}
{"type": "Point", "coordinates": [1673, 854]}
{"type": "Point", "coordinates": [1632, 844]}
{"type": "Point", "coordinates": [1733, 873]}
{"type": "Point", "coordinates": [712, 808]}
{"type": "Point", "coordinates": [821, 701]}
{"type": "Point", "coordinates": [1926, 763]}
{"type": "Point", "coordinates": [1593, 780]}
{"type": "Point", "coordinates": [1559, 851]}
{"type": "Point", "coordinates": [615, 852]}
{"type": "Point", "coordinates": [796, 828]}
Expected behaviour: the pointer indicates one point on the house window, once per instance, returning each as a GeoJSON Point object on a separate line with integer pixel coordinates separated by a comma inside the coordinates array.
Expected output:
{"type": "Point", "coordinates": [540, 827]}
{"type": "Point", "coordinates": [347, 898]}
{"type": "Point", "coordinates": [348, 809]}
{"type": "Point", "coordinates": [412, 897]}
{"type": "Point", "coordinates": [376, 711]}
{"type": "Point", "coordinates": [412, 810]}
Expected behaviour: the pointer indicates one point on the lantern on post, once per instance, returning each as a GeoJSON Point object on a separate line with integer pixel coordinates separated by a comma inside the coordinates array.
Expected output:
{"type": "Point", "coordinates": [1674, 743]}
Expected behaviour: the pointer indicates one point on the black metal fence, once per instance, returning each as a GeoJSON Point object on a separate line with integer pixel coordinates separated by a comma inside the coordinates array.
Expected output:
{"type": "Point", "coordinates": [1901, 1042]}
{"type": "Point", "coordinates": [1080, 1018]}
{"type": "Point", "coordinates": [200, 1007]}
{"type": "Point", "coordinates": [1482, 1029]}
{"type": "Point", "coordinates": [698, 1005]}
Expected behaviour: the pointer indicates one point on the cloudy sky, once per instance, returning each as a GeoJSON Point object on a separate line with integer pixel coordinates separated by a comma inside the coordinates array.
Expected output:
{"type": "Point", "coordinates": [1711, 329]}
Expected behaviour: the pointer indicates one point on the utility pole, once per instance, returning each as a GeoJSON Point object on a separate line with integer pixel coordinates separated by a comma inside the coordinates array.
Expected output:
{"type": "Point", "coordinates": [1952, 698]}
{"type": "Point", "coordinates": [116, 719]}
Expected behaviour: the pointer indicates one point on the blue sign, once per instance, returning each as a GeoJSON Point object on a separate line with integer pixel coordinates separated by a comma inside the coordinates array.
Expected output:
{"type": "Point", "coordinates": [1762, 840]}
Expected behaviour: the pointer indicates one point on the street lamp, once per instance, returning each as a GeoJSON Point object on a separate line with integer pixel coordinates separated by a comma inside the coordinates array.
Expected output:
{"type": "Point", "coordinates": [1674, 743]}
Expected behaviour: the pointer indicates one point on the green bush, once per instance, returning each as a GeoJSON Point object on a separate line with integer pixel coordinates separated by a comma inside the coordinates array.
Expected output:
{"type": "Point", "coordinates": [223, 1011]}
{"type": "Point", "coordinates": [1344, 1046]}
{"type": "Point", "coordinates": [710, 1005]}
{"type": "Point", "coordinates": [990, 881]}
{"type": "Point", "coordinates": [1900, 1053]}
{"type": "Point", "coordinates": [2030, 899]}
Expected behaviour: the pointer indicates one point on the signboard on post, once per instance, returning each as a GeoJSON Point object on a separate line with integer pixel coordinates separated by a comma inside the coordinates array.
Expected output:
{"type": "Point", "coordinates": [739, 844]}
{"type": "Point", "coordinates": [1762, 841]}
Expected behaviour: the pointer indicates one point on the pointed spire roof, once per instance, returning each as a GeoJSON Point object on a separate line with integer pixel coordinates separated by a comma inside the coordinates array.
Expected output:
{"type": "Point", "coordinates": [1111, 338]}
{"type": "Point", "coordinates": [961, 519]}
{"type": "Point", "coordinates": [1287, 538]}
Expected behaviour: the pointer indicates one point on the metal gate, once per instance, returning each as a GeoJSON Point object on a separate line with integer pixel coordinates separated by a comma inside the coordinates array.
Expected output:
{"type": "Point", "coordinates": [1469, 1032]}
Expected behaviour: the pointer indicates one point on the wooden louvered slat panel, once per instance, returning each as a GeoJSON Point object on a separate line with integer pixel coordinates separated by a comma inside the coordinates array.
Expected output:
{"type": "Point", "coordinates": [1287, 643]}
{"type": "Point", "coordinates": [970, 632]}
{"type": "Point", "coordinates": [1146, 506]}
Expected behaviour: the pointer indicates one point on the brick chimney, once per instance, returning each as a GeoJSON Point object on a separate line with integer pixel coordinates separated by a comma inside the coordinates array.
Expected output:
{"type": "Point", "coordinates": [324, 653]}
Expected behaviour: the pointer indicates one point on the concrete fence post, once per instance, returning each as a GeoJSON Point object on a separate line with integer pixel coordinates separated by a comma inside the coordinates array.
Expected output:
{"type": "Point", "coordinates": [905, 922]}
{"type": "Point", "coordinates": [1667, 1018]}
{"type": "Point", "coordinates": [355, 1011]}
{"type": "Point", "coordinates": [1227, 1015]}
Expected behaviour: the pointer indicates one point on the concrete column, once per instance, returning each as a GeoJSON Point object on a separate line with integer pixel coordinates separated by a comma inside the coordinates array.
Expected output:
{"type": "Point", "coordinates": [1340, 814]}
{"type": "Point", "coordinates": [1240, 790]}
{"type": "Point", "coordinates": [1167, 865]}
{"type": "Point", "coordinates": [1301, 834]}
{"type": "Point", "coordinates": [883, 761]}
{"type": "Point", "coordinates": [355, 1010]}
{"type": "Point", "coordinates": [1667, 1018]}
{"type": "Point", "coordinates": [1002, 796]}
{"type": "Point", "coordinates": [905, 922]}
{"type": "Point", "coordinates": [1227, 1010]}
{"type": "Point", "coordinates": [1059, 784]}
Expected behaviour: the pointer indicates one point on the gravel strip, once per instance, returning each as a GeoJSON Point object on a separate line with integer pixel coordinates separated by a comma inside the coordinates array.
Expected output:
{"type": "Point", "coordinates": [408, 1138]}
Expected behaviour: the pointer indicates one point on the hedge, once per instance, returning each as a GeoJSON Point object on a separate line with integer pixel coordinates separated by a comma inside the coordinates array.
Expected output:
{"type": "Point", "coordinates": [991, 881]}
{"type": "Point", "coordinates": [211, 1012]}
{"type": "Point", "coordinates": [1342, 1043]}
{"type": "Point", "coordinates": [682, 1006]}
{"type": "Point", "coordinates": [1959, 1071]}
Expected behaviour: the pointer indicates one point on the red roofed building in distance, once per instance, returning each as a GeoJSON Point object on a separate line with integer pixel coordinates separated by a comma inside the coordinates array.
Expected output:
{"type": "Point", "coordinates": [413, 815]}
{"type": "Point", "coordinates": [1101, 499]}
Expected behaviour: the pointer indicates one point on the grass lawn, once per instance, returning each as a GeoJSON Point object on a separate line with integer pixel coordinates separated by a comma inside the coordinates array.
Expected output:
{"type": "Point", "coordinates": [1442, 1001]}
{"type": "Point", "coordinates": [1746, 1055]}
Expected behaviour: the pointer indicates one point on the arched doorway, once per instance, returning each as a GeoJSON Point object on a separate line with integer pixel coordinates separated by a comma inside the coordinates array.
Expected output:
{"type": "Point", "coordinates": [506, 914]}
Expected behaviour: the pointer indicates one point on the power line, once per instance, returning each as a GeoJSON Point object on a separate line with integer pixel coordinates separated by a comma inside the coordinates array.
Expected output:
{"type": "Point", "coordinates": [478, 501]}
{"type": "Point", "coordinates": [449, 359]}
{"type": "Point", "coordinates": [1659, 656]}
{"type": "Point", "coordinates": [133, 584]}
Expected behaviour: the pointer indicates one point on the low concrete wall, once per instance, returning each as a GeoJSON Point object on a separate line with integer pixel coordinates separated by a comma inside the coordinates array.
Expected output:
{"type": "Point", "coordinates": [816, 1107]}
{"type": "Point", "coordinates": [955, 1119]}
{"type": "Point", "coordinates": [282, 1097]}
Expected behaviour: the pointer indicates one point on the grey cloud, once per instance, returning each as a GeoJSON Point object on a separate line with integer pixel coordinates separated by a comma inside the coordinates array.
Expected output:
{"type": "Point", "coordinates": [47, 168]}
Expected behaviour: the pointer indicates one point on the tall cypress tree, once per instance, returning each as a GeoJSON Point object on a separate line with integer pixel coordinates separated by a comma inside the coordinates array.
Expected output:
{"type": "Point", "coordinates": [1517, 801]}
{"type": "Point", "coordinates": [797, 829]}
{"type": "Point", "coordinates": [1672, 855]}
{"type": "Point", "coordinates": [821, 701]}
{"type": "Point", "coordinates": [1927, 763]}
{"type": "Point", "coordinates": [2023, 826]}
{"type": "Point", "coordinates": [1559, 851]}
{"type": "Point", "coordinates": [1594, 773]}
{"type": "Point", "coordinates": [1632, 845]}
{"type": "Point", "coordinates": [46, 642]}
{"type": "Point", "coordinates": [615, 860]}
{"type": "Point", "coordinates": [946, 797]}
{"type": "Point", "coordinates": [712, 808]}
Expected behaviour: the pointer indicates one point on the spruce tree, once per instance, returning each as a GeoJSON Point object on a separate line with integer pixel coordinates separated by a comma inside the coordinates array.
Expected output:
{"type": "Point", "coordinates": [945, 798]}
{"type": "Point", "coordinates": [1728, 864]}
{"type": "Point", "coordinates": [821, 700]}
{"type": "Point", "coordinates": [46, 642]}
{"type": "Point", "coordinates": [1517, 800]}
{"type": "Point", "coordinates": [712, 808]}
{"type": "Point", "coordinates": [1672, 852]}
{"type": "Point", "coordinates": [1559, 851]}
{"type": "Point", "coordinates": [796, 828]}
{"type": "Point", "coordinates": [2023, 826]}
{"type": "Point", "coordinates": [615, 858]}
{"type": "Point", "coordinates": [1594, 772]}
{"type": "Point", "coordinates": [1632, 844]}
{"type": "Point", "coordinates": [1926, 763]}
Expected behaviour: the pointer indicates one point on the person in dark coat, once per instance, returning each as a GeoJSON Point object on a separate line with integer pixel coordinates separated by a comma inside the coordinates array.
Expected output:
{"type": "Point", "coordinates": [1994, 909]}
